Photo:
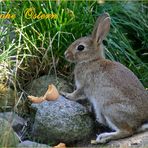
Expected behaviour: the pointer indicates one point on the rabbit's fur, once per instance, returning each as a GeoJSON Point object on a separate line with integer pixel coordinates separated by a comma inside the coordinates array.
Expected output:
{"type": "Point", "coordinates": [119, 99]}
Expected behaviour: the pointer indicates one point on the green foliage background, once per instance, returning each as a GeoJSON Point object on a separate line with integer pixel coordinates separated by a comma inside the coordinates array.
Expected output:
{"type": "Point", "coordinates": [40, 44]}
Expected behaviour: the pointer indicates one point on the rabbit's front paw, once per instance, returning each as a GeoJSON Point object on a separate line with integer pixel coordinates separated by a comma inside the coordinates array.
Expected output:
{"type": "Point", "coordinates": [63, 93]}
{"type": "Point", "coordinates": [68, 95]}
{"type": "Point", "coordinates": [103, 138]}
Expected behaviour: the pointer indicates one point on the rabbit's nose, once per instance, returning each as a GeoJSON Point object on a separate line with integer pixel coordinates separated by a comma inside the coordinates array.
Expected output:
{"type": "Point", "coordinates": [65, 53]}
{"type": "Point", "coordinates": [68, 54]}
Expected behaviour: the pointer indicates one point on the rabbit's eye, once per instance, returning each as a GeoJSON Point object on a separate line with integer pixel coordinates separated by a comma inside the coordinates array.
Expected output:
{"type": "Point", "coordinates": [80, 47]}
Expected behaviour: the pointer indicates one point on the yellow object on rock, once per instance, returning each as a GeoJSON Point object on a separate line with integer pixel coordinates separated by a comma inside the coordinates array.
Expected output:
{"type": "Point", "coordinates": [60, 145]}
{"type": "Point", "coordinates": [51, 94]}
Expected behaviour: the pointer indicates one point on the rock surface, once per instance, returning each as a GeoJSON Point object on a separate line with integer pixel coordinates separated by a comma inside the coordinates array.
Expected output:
{"type": "Point", "coordinates": [137, 140]}
{"type": "Point", "coordinates": [8, 137]}
{"type": "Point", "coordinates": [16, 122]}
{"type": "Point", "coordinates": [61, 121]}
{"type": "Point", "coordinates": [30, 144]}
{"type": "Point", "coordinates": [39, 86]}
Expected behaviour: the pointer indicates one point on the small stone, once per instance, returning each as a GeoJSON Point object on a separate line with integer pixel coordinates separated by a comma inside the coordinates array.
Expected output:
{"type": "Point", "coordinates": [93, 142]}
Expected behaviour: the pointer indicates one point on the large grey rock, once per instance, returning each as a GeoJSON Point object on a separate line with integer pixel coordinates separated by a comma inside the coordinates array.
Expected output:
{"type": "Point", "coordinates": [61, 121]}
{"type": "Point", "coordinates": [8, 137]}
{"type": "Point", "coordinates": [39, 86]}
{"type": "Point", "coordinates": [30, 144]}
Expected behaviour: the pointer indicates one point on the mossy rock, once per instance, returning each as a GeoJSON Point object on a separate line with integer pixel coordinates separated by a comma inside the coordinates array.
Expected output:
{"type": "Point", "coordinates": [61, 121]}
{"type": "Point", "coordinates": [39, 86]}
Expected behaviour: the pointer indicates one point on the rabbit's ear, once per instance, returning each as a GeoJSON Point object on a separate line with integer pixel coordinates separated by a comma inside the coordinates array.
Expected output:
{"type": "Point", "coordinates": [101, 28]}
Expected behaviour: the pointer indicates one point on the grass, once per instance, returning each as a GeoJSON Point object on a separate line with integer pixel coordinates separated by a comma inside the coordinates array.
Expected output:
{"type": "Point", "coordinates": [41, 43]}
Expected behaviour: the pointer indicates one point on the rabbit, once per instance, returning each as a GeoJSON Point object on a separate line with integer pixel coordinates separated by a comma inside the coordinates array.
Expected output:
{"type": "Point", "coordinates": [119, 99]}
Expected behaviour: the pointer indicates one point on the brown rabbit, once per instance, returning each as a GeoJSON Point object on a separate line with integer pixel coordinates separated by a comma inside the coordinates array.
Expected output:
{"type": "Point", "coordinates": [119, 99]}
